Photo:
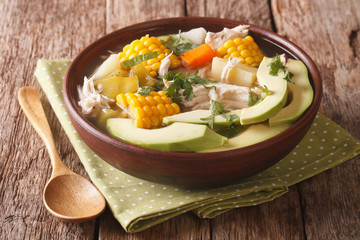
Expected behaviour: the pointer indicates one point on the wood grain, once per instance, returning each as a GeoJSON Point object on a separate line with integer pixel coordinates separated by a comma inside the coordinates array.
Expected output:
{"type": "Point", "coordinates": [323, 207]}
{"type": "Point", "coordinates": [31, 30]}
{"type": "Point", "coordinates": [329, 33]}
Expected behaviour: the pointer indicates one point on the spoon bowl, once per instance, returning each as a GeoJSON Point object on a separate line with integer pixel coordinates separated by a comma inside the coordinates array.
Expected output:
{"type": "Point", "coordinates": [67, 195]}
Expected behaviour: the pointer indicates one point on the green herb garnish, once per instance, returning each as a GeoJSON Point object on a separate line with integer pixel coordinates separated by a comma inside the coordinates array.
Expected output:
{"type": "Point", "coordinates": [186, 83]}
{"type": "Point", "coordinates": [217, 108]}
{"type": "Point", "coordinates": [256, 99]}
{"type": "Point", "coordinates": [276, 65]}
{"type": "Point", "coordinates": [178, 45]}
{"type": "Point", "coordinates": [143, 91]}
{"type": "Point", "coordinates": [139, 59]}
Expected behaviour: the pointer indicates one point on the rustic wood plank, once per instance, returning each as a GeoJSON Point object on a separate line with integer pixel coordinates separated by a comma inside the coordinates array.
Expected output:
{"type": "Point", "coordinates": [31, 30]}
{"type": "Point", "coordinates": [278, 219]}
{"type": "Point", "coordinates": [329, 32]}
{"type": "Point", "coordinates": [124, 13]}
{"type": "Point", "coordinates": [254, 12]}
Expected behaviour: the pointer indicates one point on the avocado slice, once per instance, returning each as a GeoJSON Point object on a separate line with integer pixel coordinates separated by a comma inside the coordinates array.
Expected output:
{"type": "Point", "coordinates": [178, 137]}
{"type": "Point", "coordinates": [196, 115]}
{"type": "Point", "coordinates": [301, 94]}
{"type": "Point", "coordinates": [251, 135]}
{"type": "Point", "coordinates": [272, 103]}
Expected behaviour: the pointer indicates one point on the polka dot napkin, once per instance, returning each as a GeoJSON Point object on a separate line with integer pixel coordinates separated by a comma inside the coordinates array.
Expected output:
{"type": "Point", "coordinates": [139, 204]}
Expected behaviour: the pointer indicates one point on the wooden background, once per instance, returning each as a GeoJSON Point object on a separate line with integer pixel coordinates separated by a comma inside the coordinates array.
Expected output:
{"type": "Point", "coordinates": [326, 206]}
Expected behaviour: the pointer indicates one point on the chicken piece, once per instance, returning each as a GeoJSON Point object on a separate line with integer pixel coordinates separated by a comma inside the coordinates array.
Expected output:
{"type": "Point", "coordinates": [231, 96]}
{"type": "Point", "coordinates": [216, 40]}
{"type": "Point", "coordinates": [91, 101]}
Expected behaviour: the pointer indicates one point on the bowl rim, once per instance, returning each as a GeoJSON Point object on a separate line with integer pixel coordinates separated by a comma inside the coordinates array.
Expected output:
{"type": "Point", "coordinates": [270, 36]}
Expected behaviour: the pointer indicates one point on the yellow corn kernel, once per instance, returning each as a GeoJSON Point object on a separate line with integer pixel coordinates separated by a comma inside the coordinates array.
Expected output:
{"type": "Point", "coordinates": [155, 110]}
{"type": "Point", "coordinates": [150, 100]}
{"type": "Point", "coordinates": [139, 113]}
{"type": "Point", "coordinates": [161, 108]}
{"type": "Point", "coordinates": [169, 109]}
{"type": "Point", "coordinates": [147, 111]}
{"type": "Point", "coordinates": [176, 108]}
{"type": "Point", "coordinates": [245, 49]}
{"type": "Point", "coordinates": [138, 122]}
{"type": "Point", "coordinates": [145, 45]}
{"type": "Point", "coordinates": [147, 122]}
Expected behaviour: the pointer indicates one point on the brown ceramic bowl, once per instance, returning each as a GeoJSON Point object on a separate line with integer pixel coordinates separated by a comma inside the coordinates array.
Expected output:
{"type": "Point", "coordinates": [186, 169]}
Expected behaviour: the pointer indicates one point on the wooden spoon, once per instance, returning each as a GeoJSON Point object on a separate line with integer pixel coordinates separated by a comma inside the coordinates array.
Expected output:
{"type": "Point", "coordinates": [67, 195]}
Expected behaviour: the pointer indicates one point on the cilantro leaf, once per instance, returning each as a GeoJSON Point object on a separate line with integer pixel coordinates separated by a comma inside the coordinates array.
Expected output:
{"type": "Point", "coordinates": [276, 65]}
{"type": "Point", "coordinates": [178, 45]}
{"type": "Point", "coordinates": [143, 91]}
{"type": "Point", "coordinates": [288, 76]}
{"type": "Point", "coordinates": [217, 108]}
{"type": "Point", "coordinates": [253, 99]}
{"type": "Point", "coordinates": [139, 59]}
{"type": "Point", "coordinates": [186, 83]}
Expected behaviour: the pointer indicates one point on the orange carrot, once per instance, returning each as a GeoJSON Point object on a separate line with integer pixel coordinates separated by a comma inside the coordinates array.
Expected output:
{"type": "Point", "coordinates": [198, 56]}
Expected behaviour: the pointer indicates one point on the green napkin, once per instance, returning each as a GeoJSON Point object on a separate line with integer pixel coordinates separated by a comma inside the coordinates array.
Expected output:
{"type": "Point", "coordinates": [138, 204]}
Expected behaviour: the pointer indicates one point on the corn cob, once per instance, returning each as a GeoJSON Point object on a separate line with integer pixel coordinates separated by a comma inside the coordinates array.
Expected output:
{"type": "Point", "coordinates": [147, 111]}
{"type": "Point", "coordinates": [245, 49]}
{"type": "Point", "coordinates": [148, 44]}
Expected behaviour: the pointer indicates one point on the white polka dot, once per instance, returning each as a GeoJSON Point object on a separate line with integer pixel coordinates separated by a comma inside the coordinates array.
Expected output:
{"type": "Point", "coordinates": [115, 206]}
{"type": "Point", "coordinates": [290, 168]}
{"type": "Point", "coordinates": [94, 169]}
{"type": "Point", "coordinates": [337, 131]}
{"type": "Point", "coordinates": [305, 161]}
{"type": "Point", "coordinates": [345, 145]}
{"type": "Point", "coordinates": [315, 168]}
{"type": "Point", "coordinates": [134, 190]}
{"type": "Point", "coordinates": [109, 196]}
{"type": "Point", "coordinates": [311, 139]}
{"type": "Point", "coordinates": [327, 123]}
{"type": "Point", "coordinates": [292, 161]}
{"type": "Point", "coordinates": [307, 154]}
{"type": "Point", "coordinates": [181, 203]}
{"type": "Point", "coordinates": [110, 182]}
{"type": "Point", "coordinates": [315, 124]}
{"type": "Point", "coordinates": [335, 139]}
{"type": "Point", "coordinates": [344, 153]}
{"type": "Point", "coordinates": [323, 140]}
{"type": "Point", "coordinates": [158, 194]}
{"type": "Point", "coordinates": [309, 147]}
{"type": "Point", "coordinates": [321, 148]}
{"type": "Point", "coordinates": [111, 169]}
{"type": "Point", "coordinates": [128, 180]}
{"type": "Point", "coordinates": [133, 204]}
{"type": "Point", "coordinates": [121, 200]}
{"type": "Point", "coordinates": [294, 153]}
{"type": "Point", "coordinates": [89, 160]}
{"type": "Point", "coordinates": [325, 131]}
{"type": "Point", "coordinates": [300, 175]}
{"type": "Point", "coordinates": [105, 174]}
{"type": "Point", "coordinates": [164, 188]}
{"type": "Point", "coordinates": [128, 195]}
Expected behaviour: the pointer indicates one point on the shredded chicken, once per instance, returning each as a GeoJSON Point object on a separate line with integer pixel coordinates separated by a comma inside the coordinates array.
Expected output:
{"type": "Point", "coordinates": [283, 59]}
{"type": "Point", "coordinates": [231, 96]}
{"type": "Point", "coordinates": [91, 101]}
{"type": "Point", "coordinates": [216, 40]}
{"type": "Point", "coordinates": [164, 65]}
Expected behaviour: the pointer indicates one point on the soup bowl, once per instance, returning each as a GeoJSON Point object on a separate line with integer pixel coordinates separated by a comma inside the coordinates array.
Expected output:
{"type": "Point", "coordinates": [186, 169]}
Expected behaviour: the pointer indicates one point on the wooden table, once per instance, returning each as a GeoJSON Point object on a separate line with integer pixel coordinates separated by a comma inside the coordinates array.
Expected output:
{"type": "Point", "coordinates": [326, 206]}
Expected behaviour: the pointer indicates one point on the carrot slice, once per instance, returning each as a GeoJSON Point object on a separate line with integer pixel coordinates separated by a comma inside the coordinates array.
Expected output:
{"type": "Point", "coordinates": [198, 56]}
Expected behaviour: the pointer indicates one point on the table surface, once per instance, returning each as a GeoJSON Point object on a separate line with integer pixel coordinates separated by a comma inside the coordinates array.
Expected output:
{"type": "Point", "coordinates": [326, 206]}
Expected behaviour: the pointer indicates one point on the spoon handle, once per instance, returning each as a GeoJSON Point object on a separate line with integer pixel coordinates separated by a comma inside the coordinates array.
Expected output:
{"type": "Point", "coordinates": [30, 103]}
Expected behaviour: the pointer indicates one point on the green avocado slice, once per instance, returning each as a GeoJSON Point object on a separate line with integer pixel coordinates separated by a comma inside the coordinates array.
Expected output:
{"type": "Point", "coordinates": [272, 103]}
{"type": "Point", "coordinates": [196, 115]}
{"type": "Point", "coordinates": [178, 137]}
{"type": "Point", "coordinates": [301, 94]}
{"type": "Point", "coordinates": [251, 135]}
